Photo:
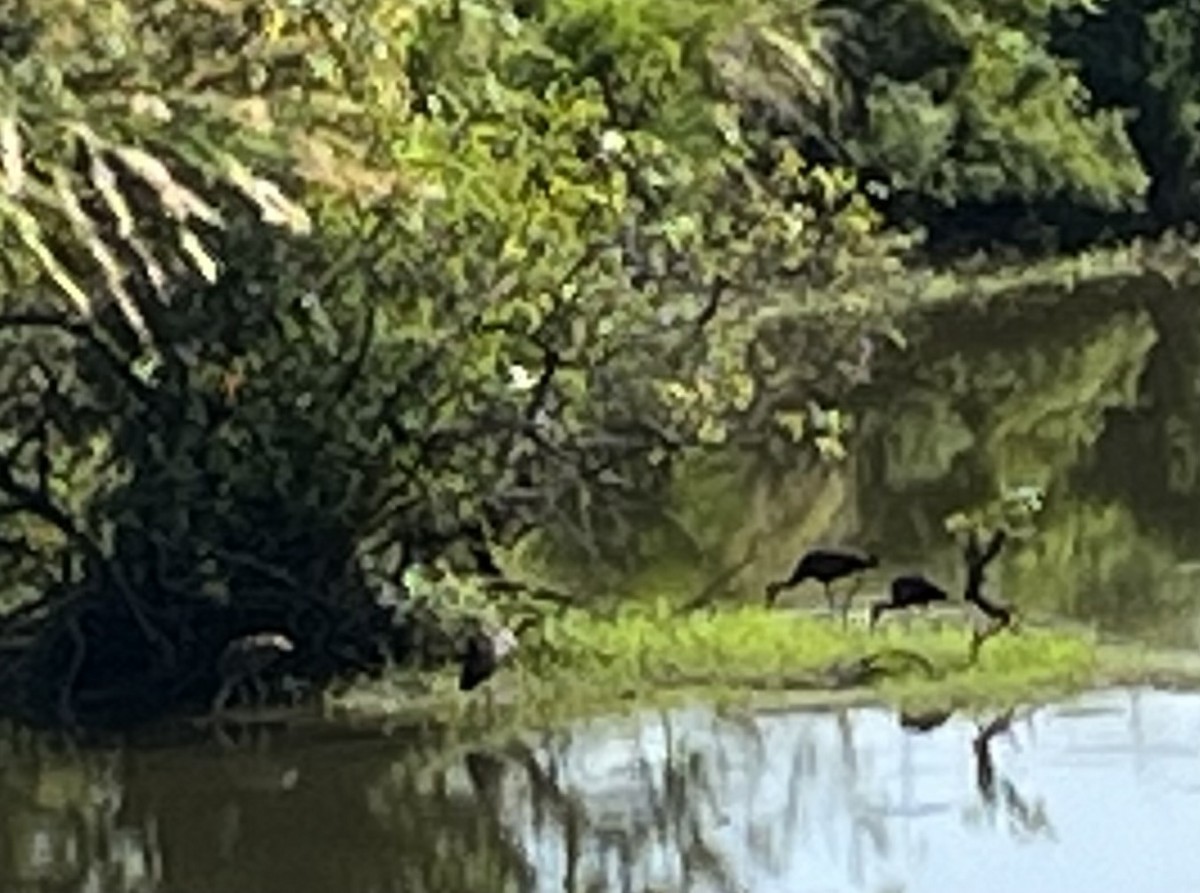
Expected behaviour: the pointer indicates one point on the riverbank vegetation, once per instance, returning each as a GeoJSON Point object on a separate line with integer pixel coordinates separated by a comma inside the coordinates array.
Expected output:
{"type": "Point", "coordinates": [647, 654]}
{"type": "Point", "coordinates": [299, 297]}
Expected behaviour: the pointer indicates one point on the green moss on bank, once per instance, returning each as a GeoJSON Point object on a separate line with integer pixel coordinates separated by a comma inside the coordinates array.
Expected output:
{"type": "Point", "coordinates": [581, 665]}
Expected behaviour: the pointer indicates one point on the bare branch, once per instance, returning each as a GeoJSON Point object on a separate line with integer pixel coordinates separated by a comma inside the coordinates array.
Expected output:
{"type": "Point", "coordinates": [39, 504]}
{"type": "Point", "coordinates": [719, 583]}
{"type": "Point", "coordinates": [88, 335]}
{"type": "Point", "coordinates": [720, 288]}
{"type": "Point", "coordinates": [358, 362]}
{"type": "Point", "coordinates": [19, 547]}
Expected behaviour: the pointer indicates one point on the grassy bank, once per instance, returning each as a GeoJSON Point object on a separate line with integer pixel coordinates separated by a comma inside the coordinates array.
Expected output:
{"type": "Point", "coordinates": [581, 665]}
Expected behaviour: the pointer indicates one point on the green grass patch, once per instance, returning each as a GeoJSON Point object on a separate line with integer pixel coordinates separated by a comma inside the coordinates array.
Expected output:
{"type": "Point", "coordinates": [579, 665]}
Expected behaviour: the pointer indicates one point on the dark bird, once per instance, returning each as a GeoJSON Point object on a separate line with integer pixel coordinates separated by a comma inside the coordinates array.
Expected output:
{"type": "Point", "coordinates": [909, 591]}
{"type": "Point", "coordinates": [825, 566]}
{"type": "Point", "coordinates": [486, 650]}
{"type": "Point", "coordinates": [244, 662]}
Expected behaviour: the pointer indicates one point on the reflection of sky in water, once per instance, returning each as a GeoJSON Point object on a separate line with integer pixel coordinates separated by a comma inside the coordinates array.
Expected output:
{"type": "Point", "coordinates": [1099, 795]}
{"type": "Point", "coordinates": [817, 802]}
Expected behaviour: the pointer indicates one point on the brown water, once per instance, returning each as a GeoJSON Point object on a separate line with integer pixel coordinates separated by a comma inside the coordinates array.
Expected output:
{"type": "Point", "coordinates": [1095, 795]}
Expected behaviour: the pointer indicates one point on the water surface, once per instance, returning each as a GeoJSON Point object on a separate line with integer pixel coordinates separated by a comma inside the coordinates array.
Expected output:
{"type": "Point", "coordinates": [1092, 795]}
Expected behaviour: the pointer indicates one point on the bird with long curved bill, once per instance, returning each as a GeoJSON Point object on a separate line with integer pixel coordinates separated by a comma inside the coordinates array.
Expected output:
{"type": "Point", "coordinates": [908, 591]}
{"type": "Point", "coordinates": [826, 566]}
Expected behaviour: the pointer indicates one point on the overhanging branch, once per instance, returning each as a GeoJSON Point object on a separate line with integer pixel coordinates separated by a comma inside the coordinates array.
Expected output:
{"type": "Point", "coordinates": [86, 334]}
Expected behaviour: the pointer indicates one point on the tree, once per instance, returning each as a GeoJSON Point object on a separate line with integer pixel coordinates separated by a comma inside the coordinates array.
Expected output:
{"type": "Point", "coordinates": [514, 296]}
{"type": "Point", "coordinates": [1157, 78]}
{"type": "Point", "coordinates": [971, 126]}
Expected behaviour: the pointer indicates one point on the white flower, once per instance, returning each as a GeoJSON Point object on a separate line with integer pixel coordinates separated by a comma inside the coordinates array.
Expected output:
{"type": "Point", "coordinates": [612, 142]}
{"type": "Point", "coordinates": [520, 378]}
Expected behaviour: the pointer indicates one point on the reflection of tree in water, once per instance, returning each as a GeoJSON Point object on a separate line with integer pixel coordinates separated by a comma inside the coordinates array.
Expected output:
{"type": "Point", "coordinates": [63, 825]}
{"type": "Point", "coordinates": [347, 815]}
{"type": "Point", "coordinates": [1088, 405]}
{"type": "Point", "coordinates": [366, 816]}
{"type": "Point", "coordinates": [986, 402]}
{"type": "Point", "coordinates": [1095, 399]}
{"type": "Point", "coordinates": [708, 804]}
{"type": "Point", "coordinates": [1162, 429]}
{"type": "Point", "coordinates": [997, 793]}
{"type": "Point", "coordinates": [641, 816]}
{"type": "Point", "coordinates": [689, 800]}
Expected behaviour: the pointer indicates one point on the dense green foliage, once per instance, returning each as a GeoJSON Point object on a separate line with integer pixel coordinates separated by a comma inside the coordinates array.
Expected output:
{"type": "Point", "coordinates": [297, 295]}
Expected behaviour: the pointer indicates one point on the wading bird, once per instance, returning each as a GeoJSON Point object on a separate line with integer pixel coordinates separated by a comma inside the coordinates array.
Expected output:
{"type": "Point", "coordinates": [908, 591]}
{"type": "Point", "coordinates": [244, 662]}
{"type": "Point", "coordinates": [825, 566]}
{"type": "Point", "coordinates": [485, 650]}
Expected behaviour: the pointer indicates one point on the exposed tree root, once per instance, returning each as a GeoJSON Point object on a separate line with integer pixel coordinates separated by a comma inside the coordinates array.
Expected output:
{"type": "Point", "coordinates": [82, 661]}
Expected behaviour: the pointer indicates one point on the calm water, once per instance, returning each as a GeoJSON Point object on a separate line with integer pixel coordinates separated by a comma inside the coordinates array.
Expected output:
{"type": "Point", "coordinates": [1095, 795]}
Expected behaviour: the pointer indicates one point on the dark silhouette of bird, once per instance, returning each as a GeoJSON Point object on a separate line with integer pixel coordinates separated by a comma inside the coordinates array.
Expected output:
{"type": "Point", "coordinates": [909, 591]}
{"type": "Point", "coordinates": [245, 660]}
{"type": "Point", "coordinates": [485, 650]}
{"type": "Point", "coordinates": [825, 566]}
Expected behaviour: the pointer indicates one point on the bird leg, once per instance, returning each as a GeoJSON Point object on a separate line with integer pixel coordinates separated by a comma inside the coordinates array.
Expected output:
{"type": "Point", "coordinates": [848, 599]}
{"type": "Point", "coordinates": [877, 610]}
{"type": "Point", "coordinates": [829, 597]}
{"type": "Point", "coordinates": [264, 689]}
{"type": "Point", "coordinates": [219, 702]}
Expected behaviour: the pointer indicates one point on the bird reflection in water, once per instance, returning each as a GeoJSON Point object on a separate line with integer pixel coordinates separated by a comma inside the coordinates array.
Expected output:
{"type": "Point", "coordinates": [250, 665]}
{"type": "Point", "coordinates": [921, 721]}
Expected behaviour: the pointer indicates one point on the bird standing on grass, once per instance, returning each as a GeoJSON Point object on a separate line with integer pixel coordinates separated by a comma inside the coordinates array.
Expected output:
{"type": "Point", "coordinates": [244, 662]}
{"type": "Point", "coordinates": [485, 650]}
{"type": "Point", "coordinates": [909, 591]}
{"type": "Point", "coordinates": [825, 566]}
